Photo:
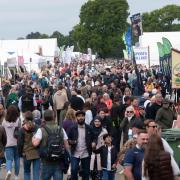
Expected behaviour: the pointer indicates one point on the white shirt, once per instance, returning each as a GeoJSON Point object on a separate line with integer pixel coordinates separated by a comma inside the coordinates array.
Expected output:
{"type": "Point", "coordinates": [109, 159]}
{"type": "Point", "coordinates": [88, 117]}
{"type": "Point", "coordinates": [167, 147]}
{"type": "Point", "coordinates": [38, 134]}
{"type": "Point", "coordinates": [81, 148]}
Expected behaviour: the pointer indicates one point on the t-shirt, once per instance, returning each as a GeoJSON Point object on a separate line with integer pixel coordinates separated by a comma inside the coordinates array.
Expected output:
{"type": "Point", "coordinates": [134, 158]}
{"type": "Point", "coordinates": [38, 134]}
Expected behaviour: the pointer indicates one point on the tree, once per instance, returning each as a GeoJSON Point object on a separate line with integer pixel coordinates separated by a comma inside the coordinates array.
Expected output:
{"type": "Point", "coordinates": [36, 35]}
{"type": "Point", "coordinates": [102, 23]}
{"type": "Point", "coordinates": [61, 39]}
{"type": "Point", "coordinates": [161, 20]}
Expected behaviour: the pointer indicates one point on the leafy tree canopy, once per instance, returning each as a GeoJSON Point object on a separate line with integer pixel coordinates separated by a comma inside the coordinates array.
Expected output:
{"type": "Point", "coordinates": [102, 23]}
{"type": "Point", "coordinates": [164, 19]}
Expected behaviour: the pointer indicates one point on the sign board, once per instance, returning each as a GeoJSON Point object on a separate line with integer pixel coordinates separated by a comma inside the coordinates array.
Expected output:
{"type": "Point", "coordinates": [175, 69]}
{"type": "Point", "coordinates": [141, 55]}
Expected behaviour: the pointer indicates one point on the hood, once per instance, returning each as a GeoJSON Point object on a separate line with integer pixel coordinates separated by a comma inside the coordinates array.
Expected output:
{"type": "Point", "coordinates": [10, 124]}
{"type": "Point", "coordinates": [59, 92]}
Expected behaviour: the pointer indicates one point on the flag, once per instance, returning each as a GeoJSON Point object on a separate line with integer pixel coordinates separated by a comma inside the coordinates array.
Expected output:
{"type": "Point", "coordinates": [136, 24]}
{"type": "Point", "coordinates": [167, 50]}
{"type": "Point", "coordinates": [175, 69]}
{"type": "Point", "coordinates": [20, 60]}
{"type": "Point", "coordinates": [140, 86]}
{"type": "Point", "coordinates": [165, 56]}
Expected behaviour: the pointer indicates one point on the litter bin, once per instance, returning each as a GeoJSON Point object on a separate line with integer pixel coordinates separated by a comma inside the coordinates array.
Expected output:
{"type": "Point", "coordinates": [172, 136]}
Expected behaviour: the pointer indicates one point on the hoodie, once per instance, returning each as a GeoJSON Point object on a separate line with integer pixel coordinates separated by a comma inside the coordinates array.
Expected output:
{"type": "Point", "coordinates": [60, 97]}
{"type": "Point", "coordinates": [9, 128]}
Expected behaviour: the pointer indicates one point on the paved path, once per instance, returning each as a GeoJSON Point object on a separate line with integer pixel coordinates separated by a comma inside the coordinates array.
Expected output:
{"type": "Point", "coordinates": [3, 174]}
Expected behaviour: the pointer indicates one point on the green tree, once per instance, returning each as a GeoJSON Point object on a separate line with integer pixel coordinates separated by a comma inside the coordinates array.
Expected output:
{"type": "Point", "coordinates": [164, 19]}
{"type": "Point", "coordinates": [61, 39]}
{"type": "Point", "coordinates": [102, 23]}
{"type": "Point", "coordinates": [36, 35]}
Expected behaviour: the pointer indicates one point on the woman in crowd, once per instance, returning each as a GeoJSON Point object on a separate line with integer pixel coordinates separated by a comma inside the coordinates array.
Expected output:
{"type": "Point", "coordinates": [127, 92]}
{"type": "Point", "coordinates": [99, 132]}
{"type": "Point", "coordinates": [11, 122]}
{"type": "Point", "coordinates": [70, 120]}
{"type": "Point", "coordinates": [158, 164]}
{"type": "Point", "coordinates": [88, 113]}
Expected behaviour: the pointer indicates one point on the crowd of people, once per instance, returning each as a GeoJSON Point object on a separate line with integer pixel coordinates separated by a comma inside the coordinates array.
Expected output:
{"type": "Point", "coordinates": [85, 119]}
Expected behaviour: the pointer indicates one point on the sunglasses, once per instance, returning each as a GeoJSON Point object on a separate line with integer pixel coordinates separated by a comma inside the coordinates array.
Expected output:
{"type": "Point", "coordinates": [129, 111]}
{"type": "Point", "coordinates": [153, 127]}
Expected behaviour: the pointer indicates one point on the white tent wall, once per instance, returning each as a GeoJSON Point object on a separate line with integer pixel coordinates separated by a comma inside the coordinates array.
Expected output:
{"type": "Point", "coordinates": [151, 38]}
{"type": "Point", "coordinates": [48, 46]}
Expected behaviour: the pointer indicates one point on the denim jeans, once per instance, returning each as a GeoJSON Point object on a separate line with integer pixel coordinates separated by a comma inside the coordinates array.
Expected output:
{"type": "Point", "coordinates": [12, 154]}
{"type": "Point", "coordinates": [27, 169]}
{"type": "Point", "coordinates": [51, 170]}
{"type": "Point", "coordinates": [108, 175]}
{"type": "Point", "coordinates": [85, 164]}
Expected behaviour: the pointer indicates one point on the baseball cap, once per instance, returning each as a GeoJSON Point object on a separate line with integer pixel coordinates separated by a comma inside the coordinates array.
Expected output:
{"type": "Point", "coordinates": [80, 112]}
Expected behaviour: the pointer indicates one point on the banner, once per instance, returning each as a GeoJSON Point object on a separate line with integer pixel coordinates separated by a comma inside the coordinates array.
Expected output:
{"type": "Point", "coordinates": [139, 83]}
{"type": "Point", "coordinates": [136, 24]}
{"type": "Point", "coordinates": [141, 55]}
{"type": "Point", "coordinates": [20, 60]}
{"type": "Point", "coordinates": [175, 69]}
{"type": "Point", "coordinates": [165, 56]}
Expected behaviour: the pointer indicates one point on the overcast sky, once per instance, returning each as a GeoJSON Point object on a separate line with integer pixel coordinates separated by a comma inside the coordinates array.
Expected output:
{"type": "Point", "coordinates": [21, 17]}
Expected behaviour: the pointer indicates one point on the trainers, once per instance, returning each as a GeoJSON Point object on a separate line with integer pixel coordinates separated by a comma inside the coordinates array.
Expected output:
{"type": "Point", "coordinates": [8, 175]}
{"type": "Point", "coordinates": [16, 178]}
{"type": "Point", "coordinates": [3, 165]}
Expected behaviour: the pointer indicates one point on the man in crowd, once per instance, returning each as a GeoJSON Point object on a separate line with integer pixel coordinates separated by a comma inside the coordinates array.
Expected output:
{"type": "Point", "coordinates": [50, 168]}
{"type": "Point", "coordinates": [134, 157]}
{"type": "Point", "coordinates": [80, 139]}
{"type": "Point", "coordinates": [165, 115]}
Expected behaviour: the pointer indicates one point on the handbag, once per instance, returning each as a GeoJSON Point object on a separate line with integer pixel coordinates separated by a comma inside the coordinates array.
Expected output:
{"type": "Point", "coordinates": [16, 132]}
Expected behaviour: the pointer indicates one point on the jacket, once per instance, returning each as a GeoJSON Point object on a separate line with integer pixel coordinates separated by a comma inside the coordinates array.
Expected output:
{"type": "Point", "coordinates": [103, 150]}
{"type": "Point", "coordinates": [60, 97]}
{"type": "Point", "coordinates": [3, 140]}
{"type": "Point", "coordinates": [25, 147]}
{"type": "Point", "coordinates": [73, 136]}
{"type": "Point", "coordinates": [126, 125]}
{"type": "Point", "coordinates": [165, 117]}
{"type": "Point", "coordinates": [163, 169]}
{"type": "Point", "coordinates": [99, 143]}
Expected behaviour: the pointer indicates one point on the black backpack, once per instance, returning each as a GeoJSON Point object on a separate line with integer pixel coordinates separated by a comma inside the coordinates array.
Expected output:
{"type": "Point", "coordinates": [27, 103]}
{"type": "Point", "coordinates": [54, 149]}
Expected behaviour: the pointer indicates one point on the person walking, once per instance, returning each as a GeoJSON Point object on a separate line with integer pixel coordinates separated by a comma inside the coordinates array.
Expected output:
{"type": "Point", "coordinates": [26, 149]}
{"type": "Point", "coordinates": [158, 164]}
{"type": "Point", "coordinates": [53, 162]}
{"type": "Point", "coordinates": [80, 138]}
{"type": "Point", "coordinates": [11, 122]}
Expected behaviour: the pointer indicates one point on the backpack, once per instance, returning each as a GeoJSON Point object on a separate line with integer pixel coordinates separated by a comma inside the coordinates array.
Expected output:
{"type": "Point", "coordinates": [27, 103]}
{"type": "Point", "coordinates": [12, 100]}
{"type": "Point", "coordinates": [54, 150]}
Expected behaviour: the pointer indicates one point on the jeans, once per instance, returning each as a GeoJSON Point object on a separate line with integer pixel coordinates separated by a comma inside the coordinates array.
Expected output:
{"type": "Point", "coordinates": [85, 164]}
{"type": "Point", "coordinates": [27, 169]}
{"type": "Point", "coordinates": [12, 154]}
{"type": "Point", "coordinates": [51, 170]}
{"type": "Point", "coordinates": [108, 175]}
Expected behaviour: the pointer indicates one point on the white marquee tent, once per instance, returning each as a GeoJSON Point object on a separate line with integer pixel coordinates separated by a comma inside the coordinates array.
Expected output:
{"type": "Point", "coordinates": [151, 38]}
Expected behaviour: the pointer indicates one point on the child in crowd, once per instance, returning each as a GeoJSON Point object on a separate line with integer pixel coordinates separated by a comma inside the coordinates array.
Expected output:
{"type": "Point", "coordinates": [108, 154]}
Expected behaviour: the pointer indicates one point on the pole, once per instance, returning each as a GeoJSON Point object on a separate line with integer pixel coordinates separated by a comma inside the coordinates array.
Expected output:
{"type": "Point", "coordinates": [149, 57]}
